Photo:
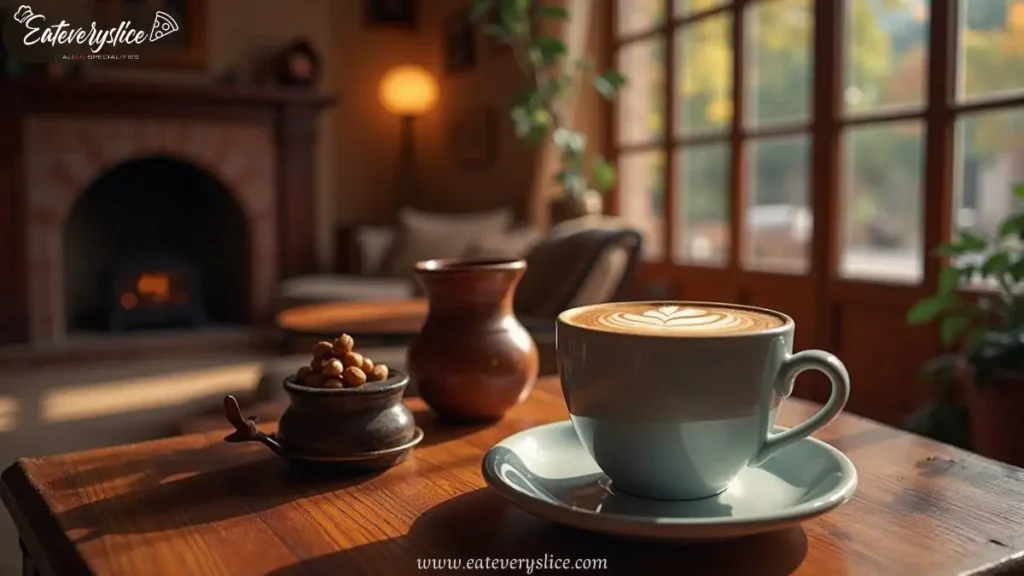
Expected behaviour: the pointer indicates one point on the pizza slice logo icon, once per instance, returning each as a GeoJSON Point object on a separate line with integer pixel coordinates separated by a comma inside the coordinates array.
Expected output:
{"type": "Point", "coordinates": [163, 24]}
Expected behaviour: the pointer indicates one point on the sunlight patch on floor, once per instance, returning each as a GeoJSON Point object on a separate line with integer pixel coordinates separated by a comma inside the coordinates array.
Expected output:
{"type": "Point", "coordinates": [147, 393]}
{"type": "Point", "coordinates": [8, 413]}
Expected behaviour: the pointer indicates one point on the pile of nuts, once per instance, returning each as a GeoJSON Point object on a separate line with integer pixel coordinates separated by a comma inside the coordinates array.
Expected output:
{"type": "Point", "coordinates": [337, 365]}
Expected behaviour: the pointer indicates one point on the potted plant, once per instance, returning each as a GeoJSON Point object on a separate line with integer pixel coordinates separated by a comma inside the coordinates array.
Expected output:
{"type": "Point", "coordinates": [985, 373]}
{"type": "Point", "coordinates": [539, 112]}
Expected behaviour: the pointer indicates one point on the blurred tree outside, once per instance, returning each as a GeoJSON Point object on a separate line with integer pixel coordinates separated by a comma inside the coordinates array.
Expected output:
{"type": "Point", "coordinates": [886, 62]}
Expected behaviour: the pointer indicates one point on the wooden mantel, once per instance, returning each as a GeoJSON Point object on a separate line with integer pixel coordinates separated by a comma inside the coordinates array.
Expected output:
{"type": "Point", "coordinates": [290, 113]}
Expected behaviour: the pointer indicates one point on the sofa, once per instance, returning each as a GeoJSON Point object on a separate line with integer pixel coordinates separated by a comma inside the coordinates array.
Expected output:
{"type": "Point", "coordinates": [577, 262]}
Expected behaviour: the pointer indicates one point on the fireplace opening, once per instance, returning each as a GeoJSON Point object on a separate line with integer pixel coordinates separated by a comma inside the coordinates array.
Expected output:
{"type": "Point", "coordinates": [156, 242]}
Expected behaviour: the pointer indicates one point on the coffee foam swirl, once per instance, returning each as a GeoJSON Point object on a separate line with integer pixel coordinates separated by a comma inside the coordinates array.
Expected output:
{"type": "Point", "coordinates": [672, 320]}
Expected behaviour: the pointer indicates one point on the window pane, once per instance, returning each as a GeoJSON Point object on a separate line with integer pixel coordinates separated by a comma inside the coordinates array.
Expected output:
{"type": "Point", "coordinates": [636, 16]}
{"type": "Point", "coordinates": [779, 218]}
{"type": "Point", "coordinates": [642, 197]}
{"type": "Point", "coordinates": [886, 53]}
{"type": "Point", "coordinates": [990, 157]}
{"type": "Point", "coordinates": [701, 234]}
{"type": "Point", "coordinates": [690, 7]}
{"type": "Point", "coordinates": [704, 62]}
{"type": "Point", "coordinates": [991, 47]}
{"type": "Point", "coordinates": [882, 202]}
{"type": "Point", "coordinates": [641, 104]}
{"type": "Point", "coordinates": [780, 61]}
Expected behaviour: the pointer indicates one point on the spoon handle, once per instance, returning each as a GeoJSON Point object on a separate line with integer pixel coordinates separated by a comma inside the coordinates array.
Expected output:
{"type": "Point", "coordinates": [245, 428]}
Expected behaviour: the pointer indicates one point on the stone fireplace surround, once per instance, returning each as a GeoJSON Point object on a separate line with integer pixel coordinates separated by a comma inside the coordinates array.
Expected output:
{"type": "Point", "coordinates": [59, 137]}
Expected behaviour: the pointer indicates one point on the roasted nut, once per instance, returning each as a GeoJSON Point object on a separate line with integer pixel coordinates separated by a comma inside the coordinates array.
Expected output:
{"type": "Point", "coordinates": [333, 383]}
{"type": "Point", "coordinates": [316, 365]}
{"type": "Point", "coordinates": [354, 377]}
{"type": "Point", "coordinates": [379, 372]}
{"type": "Point", "coordinates": [343, 345]}
{"type": "Point", "coordinates": [314, 380]}
{"type": "Point", "coordinates": [302, 373]}
{"type": "Point", "coordinates": [367, 366]}
{"type": "Point", "coordinates": [353, 360]}
{"type": "Point", "coordinates": [332, 368]}
{"type": "Point", "coordinates": [322, 349]}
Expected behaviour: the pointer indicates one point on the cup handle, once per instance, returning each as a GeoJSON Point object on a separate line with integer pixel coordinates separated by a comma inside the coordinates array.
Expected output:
{"type": "Point", "coordinates": [791, 367]}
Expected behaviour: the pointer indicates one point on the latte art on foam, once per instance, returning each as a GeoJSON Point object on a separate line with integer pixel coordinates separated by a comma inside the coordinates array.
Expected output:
{"type": "Point", "coordinates": [675, 320]}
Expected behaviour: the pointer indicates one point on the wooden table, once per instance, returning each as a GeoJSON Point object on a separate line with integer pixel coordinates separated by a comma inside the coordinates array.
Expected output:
{"type": "Point", "coordinates": [386, 320]}
{"type": "Point", "coordinates": [196, 505]}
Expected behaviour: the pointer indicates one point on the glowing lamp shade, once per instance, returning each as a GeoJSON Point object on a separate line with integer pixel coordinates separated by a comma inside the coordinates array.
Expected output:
{"type": "Point", "coordinates": [408, 91]}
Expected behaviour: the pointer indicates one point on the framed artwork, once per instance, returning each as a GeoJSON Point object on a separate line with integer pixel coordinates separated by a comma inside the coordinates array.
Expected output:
{"type": "Point", "coordinates": [392, 13]}
{"type": "Point", "coordinates": [459, 43]}
{"type": "Point", "coordinates": [472, 137]}
{"type": "Point", "coordinates": [181, 45]}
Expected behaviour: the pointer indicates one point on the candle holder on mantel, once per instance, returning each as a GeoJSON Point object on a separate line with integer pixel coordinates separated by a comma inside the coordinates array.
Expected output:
{"type": "Point", "coordinates": [473, 360]}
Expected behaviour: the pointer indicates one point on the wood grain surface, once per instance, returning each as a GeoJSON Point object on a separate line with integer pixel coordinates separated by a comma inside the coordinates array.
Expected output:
{"type": "Point", "coordinates": [196, 505]}
{"type": "Point", "coordinates": [388, 317]}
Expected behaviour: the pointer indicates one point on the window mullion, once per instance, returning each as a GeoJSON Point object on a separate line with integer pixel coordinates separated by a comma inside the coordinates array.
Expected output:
{"type": "Point", "coordinates": [940, 116]}
{"type": "Point", "coordinates": [737, 168]}
{"type": "Point", "coordinates": [672, 176]}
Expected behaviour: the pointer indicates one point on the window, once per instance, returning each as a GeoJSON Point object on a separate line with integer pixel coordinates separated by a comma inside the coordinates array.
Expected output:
{"type": "Point", "coordinates": [717, 136]}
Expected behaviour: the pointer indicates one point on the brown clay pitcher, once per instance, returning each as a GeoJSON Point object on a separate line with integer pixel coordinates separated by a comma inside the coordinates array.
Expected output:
{"type": "Point", "coordinates": [473, 360]}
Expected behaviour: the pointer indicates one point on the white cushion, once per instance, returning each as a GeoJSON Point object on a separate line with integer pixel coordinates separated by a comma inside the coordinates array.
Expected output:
{"type": "Point", "coordinates": [424, 235]}
{"type": "Point", "coordinates": [373, 243]}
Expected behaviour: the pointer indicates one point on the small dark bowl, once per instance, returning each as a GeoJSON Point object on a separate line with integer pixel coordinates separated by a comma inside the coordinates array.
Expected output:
{"type": "Point", "coordinates": [359, 428]}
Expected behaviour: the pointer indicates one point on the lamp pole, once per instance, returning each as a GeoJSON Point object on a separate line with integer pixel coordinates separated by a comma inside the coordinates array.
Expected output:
{"type": "Point", "coordinates": [406, 177]}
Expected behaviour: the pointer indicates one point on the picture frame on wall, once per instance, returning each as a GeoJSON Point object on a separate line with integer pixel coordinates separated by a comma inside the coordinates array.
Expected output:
{"type": "Point", "coordinates": [459, 43]}
{"type": "Point", "coordinates": [392, 13]}
{"type": "Point", "coordinates": [472, 137]}
{"type": "Point", "coordinates": [186, 47]}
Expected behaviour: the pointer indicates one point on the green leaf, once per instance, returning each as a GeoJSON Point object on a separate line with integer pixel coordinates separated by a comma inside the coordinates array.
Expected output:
{"type": "Point", "coordinates": [570, 140]}
{"type": "Point", "coordinates": [1018, 190]}
{"type": "Point", "coordinates": [1013, 225]}
{"type": "Point", "coordinates": [952, 328]}
{"type": "Point", "coordinates": [930, 308]}
{"type": "Point", "coordinates": [608, 83]}
{"type": "Point", "coordinates": [1017, 270]}
{"type": "Point", "coordinates": [949, 280]}
{"type": "Point", "coordinates": [996, 264]}
{"type": "Point", "coordinates": [971, 242]}
{"type": "Point", "coordinates": [951, 249]}
{"type": "Point", "coordinates": [604, 173]}
{"type": "Point", "coordinates": [553, 12]}
{"type": "Point", "coordinates": [479, 8]}
{"type": "Point", "coordinates": [548, 49]}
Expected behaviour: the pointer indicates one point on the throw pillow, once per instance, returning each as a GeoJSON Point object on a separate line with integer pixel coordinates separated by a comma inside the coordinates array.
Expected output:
{"type": "Point", "coordinates": [515, 243]}
{"type": "Point", "coordinates": [424, 236]}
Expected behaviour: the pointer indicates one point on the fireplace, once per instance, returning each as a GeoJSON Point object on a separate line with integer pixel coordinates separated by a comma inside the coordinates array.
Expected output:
{"type": "Point", "coordinates": [235, 165]}
{"type": "Point", "coordinates": [156, 292]}
{"type": "Point", "coordinates": [168, 244]}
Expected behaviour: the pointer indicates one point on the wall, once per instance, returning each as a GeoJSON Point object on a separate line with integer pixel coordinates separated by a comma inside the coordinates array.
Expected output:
{"type": "Point", "coordinates": [238, 31]}
{"type": "Point", "coordinates": [357, 156]}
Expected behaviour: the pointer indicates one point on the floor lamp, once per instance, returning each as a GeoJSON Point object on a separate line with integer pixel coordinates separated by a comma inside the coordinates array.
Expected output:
{"type": "Point", "coordinates": [408, 92]}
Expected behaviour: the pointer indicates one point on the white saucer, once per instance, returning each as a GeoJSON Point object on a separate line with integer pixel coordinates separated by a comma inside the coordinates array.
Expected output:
{"type": "Point", "coordinates": [547, 472]}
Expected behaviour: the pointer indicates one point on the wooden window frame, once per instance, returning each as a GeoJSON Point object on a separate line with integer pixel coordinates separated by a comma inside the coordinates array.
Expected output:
{"type": "Point", "coordinates": [832, 293]}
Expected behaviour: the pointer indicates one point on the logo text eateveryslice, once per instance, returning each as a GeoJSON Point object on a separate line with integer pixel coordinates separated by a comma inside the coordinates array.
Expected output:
{"type": "Point", "coordinates": [95, 39]}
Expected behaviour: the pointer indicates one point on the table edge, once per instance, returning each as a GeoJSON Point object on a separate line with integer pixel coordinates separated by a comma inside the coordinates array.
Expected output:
{"type": "Point", "coordinates": [36, 524]}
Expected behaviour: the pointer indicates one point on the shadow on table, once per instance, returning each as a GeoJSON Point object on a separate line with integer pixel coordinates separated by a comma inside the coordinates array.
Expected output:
{"type": "Point", "coordinates": [152, 502]}
{"type": "Point", "coordinates": [480, 525]}
{"type": "Point", "coordinates": [437, 430]}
